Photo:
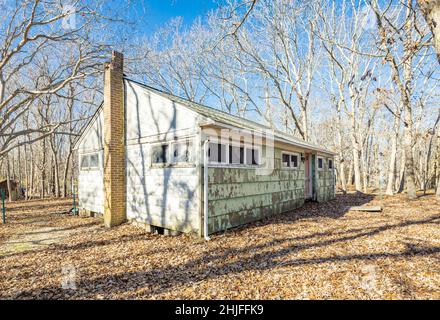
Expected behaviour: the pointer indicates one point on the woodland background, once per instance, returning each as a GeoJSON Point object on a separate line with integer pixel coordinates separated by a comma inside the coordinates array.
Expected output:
{"type": "Point", "coordinates": [359, 77]}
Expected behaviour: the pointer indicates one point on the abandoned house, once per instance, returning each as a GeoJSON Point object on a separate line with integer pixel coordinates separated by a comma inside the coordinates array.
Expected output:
{"type": "Point", "coordinates": [157, 159]}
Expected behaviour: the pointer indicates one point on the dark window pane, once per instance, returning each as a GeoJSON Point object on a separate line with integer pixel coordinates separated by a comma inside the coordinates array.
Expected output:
{"type": "Point", "coordinates": [330, 164]}
{"type": "Point", "coordinates": [294, 161]}
{"type": "Point", "coordinates": [286, 160]}
{"type": "Point", "coordinates": [160, 154]}
{"type": "Point", "coordinates": [320, 163]}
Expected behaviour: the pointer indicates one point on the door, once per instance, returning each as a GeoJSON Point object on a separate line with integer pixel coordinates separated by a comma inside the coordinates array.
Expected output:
{"type": "Point", "coordinates": [307, 177]}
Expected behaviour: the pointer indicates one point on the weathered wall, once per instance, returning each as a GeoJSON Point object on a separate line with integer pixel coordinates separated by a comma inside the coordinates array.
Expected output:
{"type": "Point", "coordinates": [91, 182]}
{"type": "Point", "coordinates": [238, 195]}
{"type": "Point", "coordinates": [151, 117]}
{"type": "Point", "coordinates": [160, 195]}
{"type": "Point", "coordinates": [326, 183]}
{"type": "Point", "coordinates": [91, 188]}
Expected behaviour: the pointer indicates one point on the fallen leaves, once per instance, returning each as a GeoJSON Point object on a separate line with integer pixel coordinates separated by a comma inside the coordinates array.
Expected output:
{"type": "Point", "coordinates": [320, 251]}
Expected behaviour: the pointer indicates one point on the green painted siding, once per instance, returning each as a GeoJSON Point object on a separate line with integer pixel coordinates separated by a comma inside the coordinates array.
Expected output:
{"type": "Point", "coordinates": [326, 182]}
{"type": "Point", "coordinates": [238, 195]}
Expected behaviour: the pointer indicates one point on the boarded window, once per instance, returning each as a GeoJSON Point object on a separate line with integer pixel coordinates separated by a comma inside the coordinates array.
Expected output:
{"type": "Point", "coordinates": [236, 155]}
{"type": "Point", "coordinates": [159, 153]}
{"type": "Point", "coordinates": [217, 152]}
{"type": "Point", "coordinates": [330, 164]}
{"type": "Point", "coordinates": [182, 152]}
{"type": "Point", "coordinates": [252, 156]}
{"type": "Point", "coordinates": [320, 163]}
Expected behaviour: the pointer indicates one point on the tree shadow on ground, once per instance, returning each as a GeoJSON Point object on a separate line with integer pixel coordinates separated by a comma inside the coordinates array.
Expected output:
{"type": "Point", "coordinates": [269, 255]}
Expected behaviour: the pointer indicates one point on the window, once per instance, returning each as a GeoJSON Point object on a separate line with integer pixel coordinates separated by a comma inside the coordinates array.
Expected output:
{"type": "Point", "coordinates": [286, 160]}
{"type": "Point", "coordinates": [236, 155]}
{"type": "Point", "coordinates": [252, 156]}
{"type": "Point", "coordinates": [217, 152]}
{"type": "Point", "coordinates": [320, 163]}
{"type": "Point", "coordinates": [85, 162]}
{"type": "Point", "coordinates": [182, 152]}
{"type": "Point", "coordinates": [290, 160]}
{"type": "Point", "coordinates": [294, 161]}
{"type": "Point", "coordinates": [160, 153]}
{"type": "Point", "coordinates": [330, 164]}
{"type": "Point", "coordinates": [94, 161]}
{"type": "Point", "coordinates": [90, 161]}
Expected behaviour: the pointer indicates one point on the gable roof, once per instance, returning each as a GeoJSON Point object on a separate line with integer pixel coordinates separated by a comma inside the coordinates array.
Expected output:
{"type": "Point", "coordinates": [235, 121]}
{"type": "Point", "coordinates": [86, 127]}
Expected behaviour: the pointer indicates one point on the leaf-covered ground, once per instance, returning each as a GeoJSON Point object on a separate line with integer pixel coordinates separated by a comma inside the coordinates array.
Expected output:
{"type": "Point", "coordinates": [320, 251]}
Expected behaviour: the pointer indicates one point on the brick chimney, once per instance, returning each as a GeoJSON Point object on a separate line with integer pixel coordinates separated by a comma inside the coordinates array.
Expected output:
{"type": "Point", "coordinates": [114, 142]}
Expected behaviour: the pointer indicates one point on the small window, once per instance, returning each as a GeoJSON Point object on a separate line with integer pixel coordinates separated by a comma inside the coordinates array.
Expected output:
{"type": "Point", "coordinates": [286, 160]}
{"type": "Point", "coordinates": [236, 155]}
{"type": "Point", "coordinates": [159, 153]}
{"type": "Point", "coordinates": [330, 163]}
{"type": "Point", "coordinates": [290, 160]}
{"type": "Point", "coordinates": [217, 152]}
{"type": "Point", "coordinates": [182, 152]}
{"type": "Point", "coordinates": [90, 161]}
{"type": "Point", "coordinates": [252, 156]}
{"type": "Point", "coordinates": [320, 163]}
{"type": "Point", "coordinates": [294, 161]}
{"type": "Point", "coordinates": [94, 161]}
{"type": "Point", "coordinates": [85, 162]}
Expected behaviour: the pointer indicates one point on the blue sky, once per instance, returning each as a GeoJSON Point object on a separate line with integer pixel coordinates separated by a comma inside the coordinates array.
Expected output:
{"type": "Point", "coordinates": [154, 13]}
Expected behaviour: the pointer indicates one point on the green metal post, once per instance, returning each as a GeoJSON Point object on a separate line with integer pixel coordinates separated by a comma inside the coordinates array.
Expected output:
{"type": "Point", "coordinates": [3, 205]}
{"type": "Point", "coordinates": [74, 201]}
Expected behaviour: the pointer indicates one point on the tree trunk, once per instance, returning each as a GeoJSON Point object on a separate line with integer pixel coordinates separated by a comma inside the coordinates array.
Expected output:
{"type": "Point", "coordinates": [392, 167]}
{"type": "Point", "coordinates": [8, 178]}
{"type": "Point", "coordinates": [438, 165]}
{"type": "Point", "coordinates": [356, 168]}
{"type": "Point", "coordinates": [431, 12]}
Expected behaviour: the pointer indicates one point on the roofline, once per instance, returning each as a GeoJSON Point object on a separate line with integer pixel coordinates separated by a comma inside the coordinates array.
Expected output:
{"type": "Point", "coordinates": [281, 138]}
{"type": "Point", "coordinates": [277, 138]}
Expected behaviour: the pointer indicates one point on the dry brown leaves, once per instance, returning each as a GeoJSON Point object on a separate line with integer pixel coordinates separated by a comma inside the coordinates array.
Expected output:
{"type": "Point", "coordinates": [320, 251]}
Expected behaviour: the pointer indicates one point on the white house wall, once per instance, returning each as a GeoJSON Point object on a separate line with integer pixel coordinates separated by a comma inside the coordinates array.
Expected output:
{"type": "Point", "coordinates": [91, 182]}
{"type": "Point", "coordinates": [159, 195]}
{"type": "Point", "coordinates": [166, 120]}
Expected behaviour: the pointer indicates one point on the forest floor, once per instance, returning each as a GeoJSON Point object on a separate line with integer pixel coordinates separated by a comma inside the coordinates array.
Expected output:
{"type": "Point", "coordinates": [320, 251]}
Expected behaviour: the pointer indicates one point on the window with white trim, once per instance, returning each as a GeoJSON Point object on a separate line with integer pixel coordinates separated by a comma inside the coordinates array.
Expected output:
{"type": "Point", "coordinates": [330, 164]}
{"type": "Point", "coordinates": [320, 163]}
{"type": "Point", "coordinates": [236, 154]}
{"type": "Point", "coordinates": [90, 161]}
{"type": "Point", "coordinates": [182, 152]}
{"type": "Point", "coordinates": [252, 156]}
{"type": "Point", "coordinates": [290, 160]}
{"type": "Point", "coordinates": [159, 153]}
{"type": "Point", "coordinates": [217, 152]}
